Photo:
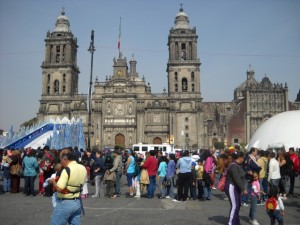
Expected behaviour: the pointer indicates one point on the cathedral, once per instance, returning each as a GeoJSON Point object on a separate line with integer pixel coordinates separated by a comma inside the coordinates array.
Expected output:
{"type": "Point", "coordinates": [124, 111]}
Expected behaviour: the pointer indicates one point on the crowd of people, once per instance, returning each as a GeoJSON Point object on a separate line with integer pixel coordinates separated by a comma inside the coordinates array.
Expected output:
{"type": "Point", "coordinates": [248, 179]}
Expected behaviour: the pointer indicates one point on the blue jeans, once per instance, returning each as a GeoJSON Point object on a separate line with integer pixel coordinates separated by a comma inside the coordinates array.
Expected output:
{"type": "Point", "coordinates": [161, 187]}
{"type": "Point", "coordinates": [275, 215]}
{"type": "Point", "coordinates": [252, 212]}
{"type": "Point", "coordinates": [207, 192]}
{"type": "Point", "coordinates": [151, 187]}
{"type": "Point", "coordinates": [118, 182]}
{"type": "Point", "coordinates": [66, 211]}
{"type": "Point", "coordinates": [274, 183]}
{"type": "Point", "coordinates": [99, 185]}
{"type": "Point", "coordinates": [6, 184]}
{"type": "Point", "coordinates": [264, 187]}
{"type": "Point", "coordinates": [170, 189]}
{"type": "Point", "coordinates": [245, 198]}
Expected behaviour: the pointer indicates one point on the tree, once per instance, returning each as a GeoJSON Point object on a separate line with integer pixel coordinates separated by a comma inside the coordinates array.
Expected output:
{"type": "Point", "coordinates": [29, 123]}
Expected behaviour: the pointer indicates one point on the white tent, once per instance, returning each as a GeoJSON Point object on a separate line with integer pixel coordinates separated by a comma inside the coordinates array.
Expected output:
{"type": "Point", "coordinates": [280, 130]}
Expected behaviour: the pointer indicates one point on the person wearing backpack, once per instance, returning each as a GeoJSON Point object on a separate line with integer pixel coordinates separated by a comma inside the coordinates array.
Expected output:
{"type": "Point", "coordinates": [275, 206]}
{"type": "Point", "coordinates": [69, 186]}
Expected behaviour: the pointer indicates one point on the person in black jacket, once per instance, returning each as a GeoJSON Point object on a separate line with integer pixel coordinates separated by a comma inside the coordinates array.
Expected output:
{"type": "Point", "coordinates": [98, 171]}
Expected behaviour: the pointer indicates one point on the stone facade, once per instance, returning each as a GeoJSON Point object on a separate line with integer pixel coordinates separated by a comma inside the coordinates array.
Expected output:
{"type": "Point", "coordinates": [125, 111]}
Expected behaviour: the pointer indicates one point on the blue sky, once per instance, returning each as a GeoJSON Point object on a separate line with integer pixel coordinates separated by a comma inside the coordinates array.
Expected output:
{"type": "Point", "coordinates": [232, 35]}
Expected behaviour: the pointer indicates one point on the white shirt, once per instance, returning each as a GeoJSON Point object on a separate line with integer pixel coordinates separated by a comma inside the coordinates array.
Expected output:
{"type": "Point", "coordinates": [274, 170]}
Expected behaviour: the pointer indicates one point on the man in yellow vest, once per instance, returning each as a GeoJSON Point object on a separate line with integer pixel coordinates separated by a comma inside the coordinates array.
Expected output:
{"type": "Point", "coordinates": [68, 186]}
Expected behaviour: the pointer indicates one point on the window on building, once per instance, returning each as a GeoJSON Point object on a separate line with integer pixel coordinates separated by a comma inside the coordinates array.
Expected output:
{"type": "Point", "coordinates": [186, 127]}
{"type": "Point", "coordinates": [57, 54]}
{"type": "Point", "coordinates": [186, 135]}
{"type": "Point", "coordinates": [64, 89]}
{"type": "Point", "coordinates": [235, 140]}
{"type": "Point", "coordinates": [192, 76]}
{"type": "Point", "coordinates": [176, 76]}
{"type": "Point", "coordinates": [193, 87]}
{"type": "Point", "coordinates": [176, 87]}
{"type": "Point", "coordinates": [56, 87]}
{"type": "Point", "coordinates": [64, 78]}
{"type": "Point", "coordinates": [183, 51]}
{"type": "Point", "coordinates": [184, 85]}
{"type": "Point", "coordinates": [48, 90]}
{"type": "Point", "coordinates": [49, 77]}
{"type": "Point", "coordinates": [186, 119]}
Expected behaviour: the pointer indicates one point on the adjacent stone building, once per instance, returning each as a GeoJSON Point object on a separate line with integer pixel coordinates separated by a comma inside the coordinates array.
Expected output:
{"type": "Point", "coordinates": [125, 111]}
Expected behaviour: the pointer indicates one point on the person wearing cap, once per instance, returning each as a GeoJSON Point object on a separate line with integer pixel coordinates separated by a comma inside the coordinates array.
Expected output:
{"type": "Point", "coordinates": [118, 169]}
{"type": "Point", "coordinates": [129, 169]}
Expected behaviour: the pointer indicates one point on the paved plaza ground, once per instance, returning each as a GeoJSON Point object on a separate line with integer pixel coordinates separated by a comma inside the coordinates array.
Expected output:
{"type": "Point", "coordinates": [19, 209]}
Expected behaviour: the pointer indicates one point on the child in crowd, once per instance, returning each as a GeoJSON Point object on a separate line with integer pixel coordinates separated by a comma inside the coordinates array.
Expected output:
{"type": "Point", "coordinates": [6, 174]}
{"type": "Point", "coordinates": [199, 170]}
{"type": "Point", "coordinates": [85, 191]}
{"type": "Point", "coordinates": [194, 181]}
{"type": "Point", "coordinates": [56, 175]}
{"type": "Point", "coordinates": [275, 207]}
{"type": "Point", "coordinates": [255, 195]}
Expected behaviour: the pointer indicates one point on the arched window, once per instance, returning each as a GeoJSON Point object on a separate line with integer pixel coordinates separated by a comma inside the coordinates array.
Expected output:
{"type": "Point", "coordinates": [184, 85]}
{"type": "Point", "coordinates": [176, 87]}
{"type": "Point", "coordinates": [192, 76]}
{"type": "Point", "coordinates": [64, 78]}
{"type": "Point", "coordinates": [157, 140]}
{"type": "Point", "coordinates": [176, 76]}
{"type": "Point", "coordinates": [56, 87]}
{"type": "Point", "coordinates": [49, 77]}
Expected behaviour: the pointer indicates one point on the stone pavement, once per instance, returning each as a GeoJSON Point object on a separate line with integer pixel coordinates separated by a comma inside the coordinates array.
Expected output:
{"type": "Point", "coordinates": [19, 209]}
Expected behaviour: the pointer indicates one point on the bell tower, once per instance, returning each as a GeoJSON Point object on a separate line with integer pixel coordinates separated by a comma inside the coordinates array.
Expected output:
{"type": "Point", "coordinates": [183, 66]}
{"type": "Point", "coordinates": [59, 69]}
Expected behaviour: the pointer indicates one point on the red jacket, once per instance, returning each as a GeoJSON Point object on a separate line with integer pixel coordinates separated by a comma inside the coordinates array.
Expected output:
{"type": "Point", "coordinates": [295, 160]}
{"type": "Point", "coordinates": [151, 165]}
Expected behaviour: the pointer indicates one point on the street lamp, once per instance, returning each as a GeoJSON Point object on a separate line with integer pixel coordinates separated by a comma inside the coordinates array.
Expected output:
{"type": "Point", "coordinates": [91, 50]}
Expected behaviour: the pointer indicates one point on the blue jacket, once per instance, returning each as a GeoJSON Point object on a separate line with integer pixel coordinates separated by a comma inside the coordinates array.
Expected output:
{"type": "Point", "coordinates": [162, 169]}
{"type": "Point", "coordinates": [171, 169]}
{"type": "Point", "coordinates": [30, 166]}
{"type": "Point", "coordinates": [184, 164]}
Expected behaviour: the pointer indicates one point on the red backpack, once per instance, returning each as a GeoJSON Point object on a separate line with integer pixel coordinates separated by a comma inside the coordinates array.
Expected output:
{"type": "Point", "coordinates": [271, 204]}
{"type": "Point", "coordinates": [47, 163]}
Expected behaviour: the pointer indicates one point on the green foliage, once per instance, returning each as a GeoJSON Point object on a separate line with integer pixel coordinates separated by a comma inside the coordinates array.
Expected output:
{"type": "Point", "coordinates": [219, 145]}
{"type": "Point", "coordinates": [30, 122]}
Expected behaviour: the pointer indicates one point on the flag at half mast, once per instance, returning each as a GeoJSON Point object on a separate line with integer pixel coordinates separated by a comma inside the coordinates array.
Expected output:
{"type": "Point", "coordinates": [119, 43]}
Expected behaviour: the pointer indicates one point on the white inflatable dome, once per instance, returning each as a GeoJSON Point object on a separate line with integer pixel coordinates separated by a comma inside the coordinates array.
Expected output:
{"type": "Point", "coordinates": [280, 130]}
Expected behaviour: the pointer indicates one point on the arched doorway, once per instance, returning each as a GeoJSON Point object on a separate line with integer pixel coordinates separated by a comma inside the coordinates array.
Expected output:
{"type": "Point", "coordinates": [120, 140]}
{"type": "Point", "coordinates": [157, 141]}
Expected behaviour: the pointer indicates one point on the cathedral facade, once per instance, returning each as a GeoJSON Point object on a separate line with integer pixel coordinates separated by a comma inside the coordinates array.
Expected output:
{"type": "Point", "coordinates": [124, 111]}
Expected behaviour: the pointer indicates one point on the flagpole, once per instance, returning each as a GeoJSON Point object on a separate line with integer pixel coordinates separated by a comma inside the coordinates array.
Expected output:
{"type": "Point", "coordinates": [119, 40]}
{"type": "Point", "coordinates": [91, 50]}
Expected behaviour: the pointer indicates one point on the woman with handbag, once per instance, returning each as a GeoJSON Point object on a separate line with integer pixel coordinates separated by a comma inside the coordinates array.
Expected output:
{"type": "Point", "coordinates": [30, 168]}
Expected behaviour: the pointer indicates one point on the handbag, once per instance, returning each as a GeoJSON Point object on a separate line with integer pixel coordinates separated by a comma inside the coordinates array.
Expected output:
{"type": "Point", "coordinates": [15, 169]}
{"type": "Point", "coordinates": [144, 178]}
{"type": "Point", "coordinates": [222, 181]}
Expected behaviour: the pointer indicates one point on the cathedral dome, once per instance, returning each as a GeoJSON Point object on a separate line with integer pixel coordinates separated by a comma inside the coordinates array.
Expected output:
{"type": "Point", "coordinates": [181, 20]}
{"type": "Point", "coordinates": [62, 23]}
